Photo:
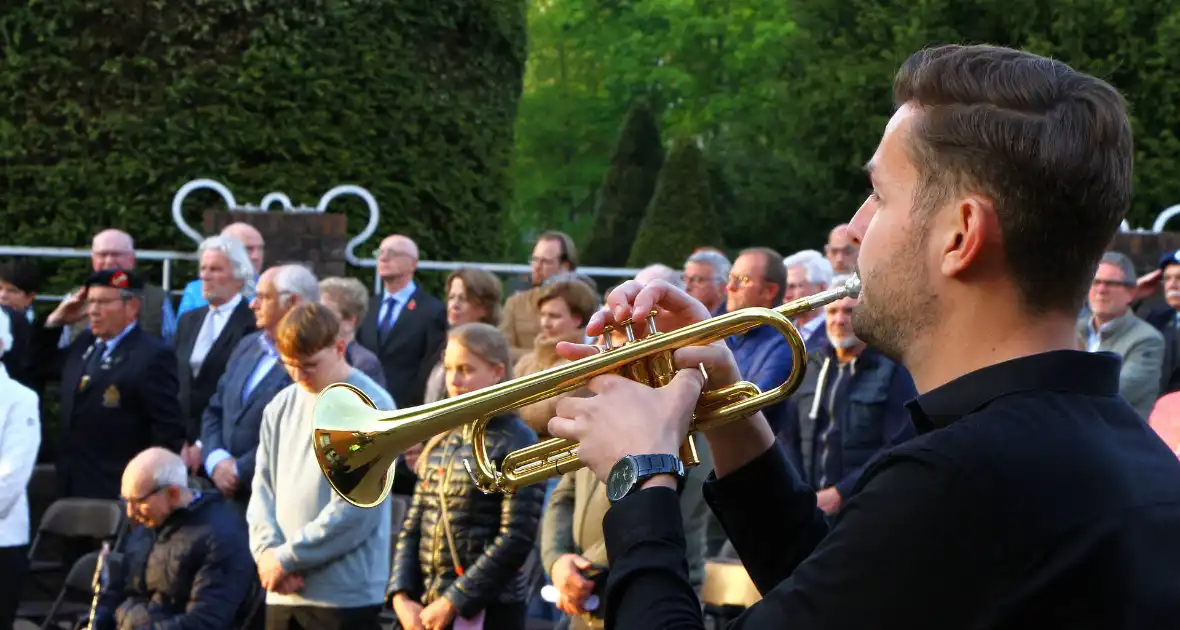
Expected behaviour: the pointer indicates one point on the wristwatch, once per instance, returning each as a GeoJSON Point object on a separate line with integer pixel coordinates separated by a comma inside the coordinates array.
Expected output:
{"type": "Point", "coordinates": [629, 473]}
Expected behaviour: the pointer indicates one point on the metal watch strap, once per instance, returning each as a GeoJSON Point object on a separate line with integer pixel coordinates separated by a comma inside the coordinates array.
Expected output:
{"type": "Point", "coordinates": [658, 464]}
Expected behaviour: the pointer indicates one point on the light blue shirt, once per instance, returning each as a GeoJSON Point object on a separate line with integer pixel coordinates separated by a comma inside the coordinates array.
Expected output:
{"type": "Point", "coordinates": [191, 298]}
{"type": "Point", "coordinates": [114, 341]}
{"type": "Point", "coordinates": [402, 296]}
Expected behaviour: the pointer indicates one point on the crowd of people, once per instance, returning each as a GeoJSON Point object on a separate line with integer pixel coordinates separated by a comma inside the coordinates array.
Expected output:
{"type": "Point", "coordinates": [199, 420]}
{"type": "Point", "coordinates": [202, 427]}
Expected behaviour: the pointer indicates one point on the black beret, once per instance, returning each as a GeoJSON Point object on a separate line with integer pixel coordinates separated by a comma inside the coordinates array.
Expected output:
{"type": "Point", "coordinates": [125, 279]}
{"type": "Point", "coordinates": [22, 275]}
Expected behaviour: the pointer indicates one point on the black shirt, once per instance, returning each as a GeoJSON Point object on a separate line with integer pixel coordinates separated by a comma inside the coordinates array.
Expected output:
{"type": "Point", "coordinates": [1032, 497]}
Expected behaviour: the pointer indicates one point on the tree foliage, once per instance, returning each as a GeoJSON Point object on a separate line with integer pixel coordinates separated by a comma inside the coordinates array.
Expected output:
{"type": "Point", "coordinates": [110, 106]}
{"type": "Point", "coordinates": [626, 191]}
{"type": "Point", "coordinates": [681, 216]}
{"type": "Point", "coordinates": [789, 98]}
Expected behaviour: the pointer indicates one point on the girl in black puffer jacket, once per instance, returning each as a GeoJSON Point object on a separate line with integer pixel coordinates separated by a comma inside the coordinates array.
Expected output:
{"type": "Point", "coordinates": [451, 521]}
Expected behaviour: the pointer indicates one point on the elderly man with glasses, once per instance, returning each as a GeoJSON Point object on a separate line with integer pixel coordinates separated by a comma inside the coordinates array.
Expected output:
{"type": "Point", "coordinates": [186, 562]}
{"type": "Point", "coordinates": [407, 328]}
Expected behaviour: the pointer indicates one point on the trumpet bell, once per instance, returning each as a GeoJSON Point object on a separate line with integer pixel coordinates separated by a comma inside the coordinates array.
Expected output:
{"type": "Point", "coordinates": [357, 461]}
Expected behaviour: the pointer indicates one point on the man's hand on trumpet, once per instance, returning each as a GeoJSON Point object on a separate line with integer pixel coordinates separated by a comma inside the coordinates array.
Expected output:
{"type": "Point", "coordinates": [629, 418]}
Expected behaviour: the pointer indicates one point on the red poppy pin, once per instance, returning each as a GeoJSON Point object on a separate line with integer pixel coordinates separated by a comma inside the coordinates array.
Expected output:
{"type": "Point", "coordinates": [411, 305]}
{"type": "Point", "coordinates": [119, 280]}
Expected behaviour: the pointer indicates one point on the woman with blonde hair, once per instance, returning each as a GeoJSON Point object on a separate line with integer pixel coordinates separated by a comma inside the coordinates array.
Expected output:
{"type": "Point", "coordinates": [460, 552]}
{"type": "Point", "coordinates": [473, 295]}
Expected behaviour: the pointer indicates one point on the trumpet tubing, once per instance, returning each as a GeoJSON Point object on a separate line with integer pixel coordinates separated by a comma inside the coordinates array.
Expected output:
{"type": "Point", "coordinates": [357, 445]}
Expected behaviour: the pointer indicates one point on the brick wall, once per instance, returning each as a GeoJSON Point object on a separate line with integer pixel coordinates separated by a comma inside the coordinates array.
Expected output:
{"type": "Point", "coordinates": [314, 239]}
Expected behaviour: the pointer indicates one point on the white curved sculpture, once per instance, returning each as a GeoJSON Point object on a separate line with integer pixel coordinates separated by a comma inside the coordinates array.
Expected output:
{"type": "Point", "coordinates": [284, 202]}
{"type": "Point", "coordinates": [1162, 219]}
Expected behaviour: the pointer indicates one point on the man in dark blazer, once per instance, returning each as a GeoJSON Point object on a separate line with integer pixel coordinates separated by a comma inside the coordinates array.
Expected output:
{"type": "Point", "coordinates": [208, 334]}
{"type": "Point", "coordinates": [253, 375]}
{"type": "Point", "coordinates": [408, 327]}
{"type": "Point", "coordinates": [118, 387]}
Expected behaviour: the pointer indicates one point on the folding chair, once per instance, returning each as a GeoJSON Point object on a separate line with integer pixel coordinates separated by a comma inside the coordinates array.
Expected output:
{"type": "Point", "coordinates": [79, 582]}
{"type": "Point", "coordinates": [94, 519]}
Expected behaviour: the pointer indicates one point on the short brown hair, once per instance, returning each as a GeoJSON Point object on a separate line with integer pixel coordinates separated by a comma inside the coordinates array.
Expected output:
{"type": "Point", "coordinates": [579, 297]}
{"type": "Point", "coordinates": [569, 251]}
{"type": "Point", "coordinates": [306, 329]}
{"type": "Point", "coordinates": [774, 272]}
{"type": "Point", "coordinates": [484, 341]}
{"type": "Point", "coordinates": [482, 287]}
{"type": "Point", "coordinates": [1051, 148]}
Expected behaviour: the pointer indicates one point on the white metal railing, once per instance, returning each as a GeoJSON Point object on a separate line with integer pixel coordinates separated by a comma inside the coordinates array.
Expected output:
{"type": "Point", "coordinates": [284, 202]}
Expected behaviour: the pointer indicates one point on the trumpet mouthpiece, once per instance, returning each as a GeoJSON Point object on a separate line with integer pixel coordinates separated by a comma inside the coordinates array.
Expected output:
{"type": "Point", "coordinates": [852, 285]}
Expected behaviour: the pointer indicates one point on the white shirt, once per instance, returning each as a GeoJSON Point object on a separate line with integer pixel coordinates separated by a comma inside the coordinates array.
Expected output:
{"type": "Point", "coordinates": [216, 317]}
{"type": "Point", "coordinates": [20, 437]}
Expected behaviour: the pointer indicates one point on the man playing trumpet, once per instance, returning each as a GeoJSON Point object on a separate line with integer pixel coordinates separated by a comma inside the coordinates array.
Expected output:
{"type": "Point", "coordinates": [1032, 496]}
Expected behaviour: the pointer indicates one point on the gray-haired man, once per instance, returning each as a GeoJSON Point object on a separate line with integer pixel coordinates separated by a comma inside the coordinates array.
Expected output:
{"type": "Point", "coordinates": [1113, 327]}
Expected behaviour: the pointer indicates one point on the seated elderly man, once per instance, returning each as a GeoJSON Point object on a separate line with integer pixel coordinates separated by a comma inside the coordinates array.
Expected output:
{"type": "Point", "coordinates": [187, 564]}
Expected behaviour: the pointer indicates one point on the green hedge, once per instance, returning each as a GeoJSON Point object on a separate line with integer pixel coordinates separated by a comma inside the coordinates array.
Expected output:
{"type": "Point", "coordinates": [626, 190]}
{"type": "Point", "coordinates": [681, 216]}
{"type": "Point", "coordinates": [110, 106]}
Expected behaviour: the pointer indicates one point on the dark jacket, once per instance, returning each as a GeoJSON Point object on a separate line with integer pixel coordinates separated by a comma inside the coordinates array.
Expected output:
{"type": "Point", "coordinates": [194, 571]}
{"type": "Point", "coordinates": [1163, 318]}
{"type": "Point", "coordinates": [493, 533]}
{"type": "Point", "coordinates": [195, 391]}
{"type": "Point", "coordinates": [108, 417]}
{"type": "Point", "coordinates": [411, 347]}
{"type": "Point", "coordinates": [870, 397]}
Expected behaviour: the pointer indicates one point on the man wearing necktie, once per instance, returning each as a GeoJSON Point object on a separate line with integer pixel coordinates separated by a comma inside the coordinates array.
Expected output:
{"type": "Point", "coordinates": [206, 335]}
{"type": "Point", "coordinates": [407, 329]}
{"type": "Point", "coordinates": [118, 387]}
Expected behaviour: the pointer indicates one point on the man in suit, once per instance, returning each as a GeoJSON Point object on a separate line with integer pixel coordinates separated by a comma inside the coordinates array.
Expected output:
{"type": "Point", "coordinates": [115, 249]}
{"type": "Point", "coordinates": [118, 387]}
{"type": "Point", "coordinates": [206, 335]}
{"type": "Point", "coordinates": [407, 329]}
{"type": "Point", "coordinates": [253, 375]}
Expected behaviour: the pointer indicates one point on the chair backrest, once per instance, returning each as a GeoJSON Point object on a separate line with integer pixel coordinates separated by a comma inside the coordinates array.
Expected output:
{"type": "Point", "coordinates": [82, 518]}
{"type": "Point", "coordinates": [81, 575]}
{"type": "Point", "coordinates": [728, 584]}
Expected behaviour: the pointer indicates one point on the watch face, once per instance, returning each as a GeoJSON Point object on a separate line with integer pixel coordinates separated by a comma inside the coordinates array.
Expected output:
{"type": "Point", "coordinates": [621, 478]}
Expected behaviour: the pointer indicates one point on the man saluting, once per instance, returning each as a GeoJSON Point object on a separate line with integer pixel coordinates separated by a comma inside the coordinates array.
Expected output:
{"type": "Point", "coordinates": [118, 387]}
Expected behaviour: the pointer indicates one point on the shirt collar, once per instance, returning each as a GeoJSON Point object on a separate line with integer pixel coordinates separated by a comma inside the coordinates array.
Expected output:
{"type": "Point", "coordinates": [1070, 371]}
{"type": "Point", "coordinates": [229, 306]}
{"type": "Point", "coordinates": [111, 343]}
{"type": "Point", "coordinates": [403, 294]}
{"type": "Point", "coordinates": [267, 345]}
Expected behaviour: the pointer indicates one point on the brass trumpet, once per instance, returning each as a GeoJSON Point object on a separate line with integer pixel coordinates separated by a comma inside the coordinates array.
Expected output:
{"type": "Point", "coordinates": [357, 445]}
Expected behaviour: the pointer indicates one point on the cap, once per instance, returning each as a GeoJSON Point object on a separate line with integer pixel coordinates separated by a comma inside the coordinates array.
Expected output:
{"type": "Point", "coordinates": [116, 279]}
{"type": "Point", "coordinates": [1169, 258]}
{"type": "Point", "coordinates": [22, 275]}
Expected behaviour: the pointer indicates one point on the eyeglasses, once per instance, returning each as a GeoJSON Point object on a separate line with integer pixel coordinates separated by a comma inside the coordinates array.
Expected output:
{"type": "Point", "coordinates": [1099, 282]}
{"type": "Point", "coordinates": [381, 253]}
{"type": "Point", "coordinates": [740, 281]}
{"type": "Point", "coordinates": [690, 280]}
{"type": "Point", "coordinates": [141, 500]}
{"type": "Point", "coordinates": [543, 262]}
